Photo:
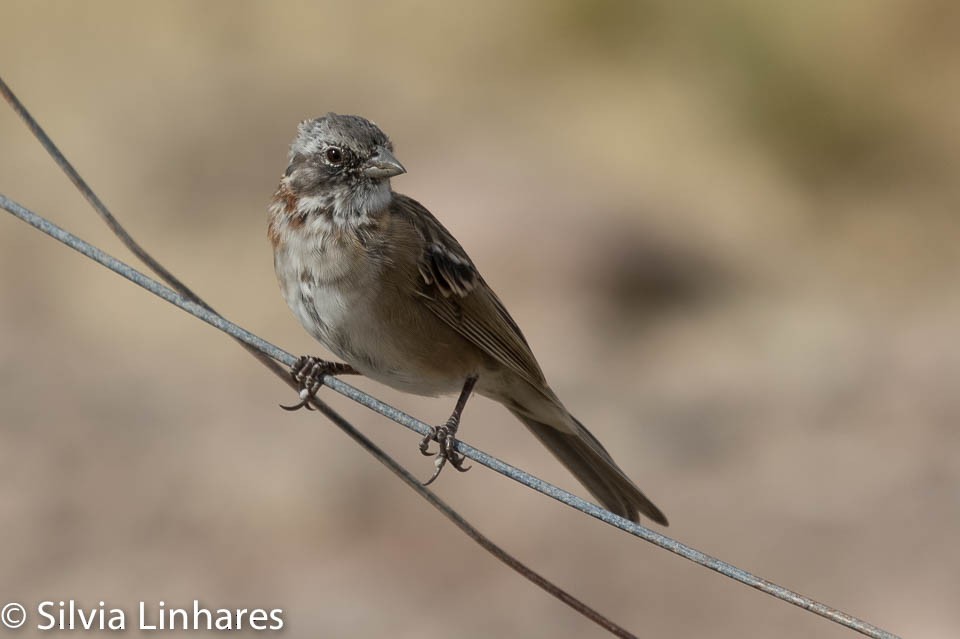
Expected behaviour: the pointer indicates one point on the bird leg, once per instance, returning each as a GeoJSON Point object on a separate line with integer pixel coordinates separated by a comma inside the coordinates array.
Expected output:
{"type": "Point", "coordinates": [446, 436]}
{"type": "Point", "coordinates": [308, 373]}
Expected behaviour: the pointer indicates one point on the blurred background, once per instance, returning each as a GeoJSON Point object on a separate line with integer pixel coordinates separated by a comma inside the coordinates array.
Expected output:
{"type": "Point", "coordinates": [729, 233]}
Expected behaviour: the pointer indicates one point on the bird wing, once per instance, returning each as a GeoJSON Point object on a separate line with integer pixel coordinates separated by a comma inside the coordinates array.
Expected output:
{"type": "Point", "coordinates": [454, 291]}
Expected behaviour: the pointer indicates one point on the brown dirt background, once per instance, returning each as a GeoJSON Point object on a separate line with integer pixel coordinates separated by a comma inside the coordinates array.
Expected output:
{"type": "Point", "coordinates": [729, 232]}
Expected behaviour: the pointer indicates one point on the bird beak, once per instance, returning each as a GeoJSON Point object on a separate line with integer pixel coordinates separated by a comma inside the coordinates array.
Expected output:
{"type": "Point", "coordinates": [383, 165]}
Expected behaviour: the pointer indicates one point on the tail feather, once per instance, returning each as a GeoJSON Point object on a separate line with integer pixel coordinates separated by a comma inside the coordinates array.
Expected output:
{"type": "Point", "coordinates": [590, 462]}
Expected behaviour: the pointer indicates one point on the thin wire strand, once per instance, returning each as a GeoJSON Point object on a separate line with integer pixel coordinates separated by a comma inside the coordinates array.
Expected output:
{"type": "Point", "coordinates": [92, 197]}
{"type": "Point", "coordinates": [278, 354]}
{"type": "Point", "coordinates": [111, 221]}
{"type": "Point", "coordinates": [480, 457]}
{"type": "Point", "coordinates": [392, 413]}
{"type": "Point", "coordinates": [278, 370]}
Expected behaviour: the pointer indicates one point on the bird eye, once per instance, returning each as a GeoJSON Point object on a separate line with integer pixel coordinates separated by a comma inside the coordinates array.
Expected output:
{"type": "Point", "coordinates": [334, 155]}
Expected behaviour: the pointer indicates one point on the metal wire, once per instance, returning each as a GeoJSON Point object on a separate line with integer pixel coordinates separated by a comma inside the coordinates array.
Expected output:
{"type": "Point", "coordinates": [283, 374]}
{"type": "Point", "coordinates": [266, 349]}
{"type": "Point", "coordinates": [416, 425]}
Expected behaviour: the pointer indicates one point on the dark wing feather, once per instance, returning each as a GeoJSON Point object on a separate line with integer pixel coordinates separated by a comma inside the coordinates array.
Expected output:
{"type": "Point", "coordinates": [455, 292]}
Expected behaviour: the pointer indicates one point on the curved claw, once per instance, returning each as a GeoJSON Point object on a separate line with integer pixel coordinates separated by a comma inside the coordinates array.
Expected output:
{"type": "Point", "coordinates": [447, 452]}
{"type": "Point", "coordinates": [458, 464]}
{"type": "Point", "coordinates": [425, 443]}
{"type": "Point", "coordinates": [302, 404]}
{"type": "Point", "coordinates": [308, 391]}
{"type": "Point", "coordinates": [440, 463]}
{"type": "Point", "coordinates": [456, 459]}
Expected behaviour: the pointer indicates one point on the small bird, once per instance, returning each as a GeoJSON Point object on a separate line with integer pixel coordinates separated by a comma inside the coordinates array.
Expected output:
{"type": "Point", "coordinates": [379, 281]}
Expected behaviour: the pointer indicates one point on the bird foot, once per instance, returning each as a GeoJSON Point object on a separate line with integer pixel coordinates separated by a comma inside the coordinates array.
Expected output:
{"type": "Point", "coordinates": [446, 437]}
{"type": "Point", "coordinates": [308, 372]}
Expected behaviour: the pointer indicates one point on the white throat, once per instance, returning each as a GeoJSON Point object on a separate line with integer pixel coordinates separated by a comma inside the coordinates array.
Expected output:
{"type": "Point", "coordinates": [349, 207]}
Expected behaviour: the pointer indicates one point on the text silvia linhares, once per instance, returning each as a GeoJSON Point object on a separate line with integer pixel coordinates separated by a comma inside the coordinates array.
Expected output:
{"type": "Point", "coordinates": [68, 615]}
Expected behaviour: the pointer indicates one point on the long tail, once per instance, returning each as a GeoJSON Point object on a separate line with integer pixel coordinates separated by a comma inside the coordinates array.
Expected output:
{"type": "Point", "coordinates": [590, 462]}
